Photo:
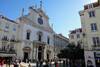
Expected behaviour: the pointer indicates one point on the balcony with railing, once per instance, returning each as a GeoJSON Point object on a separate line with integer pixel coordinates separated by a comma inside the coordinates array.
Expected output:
{"type": "Point", "coordinates": [7, 50]}
{"type": "Point", "coordinates": [8, 46]}
{"type": "Point", "coordinates": [96, 47]}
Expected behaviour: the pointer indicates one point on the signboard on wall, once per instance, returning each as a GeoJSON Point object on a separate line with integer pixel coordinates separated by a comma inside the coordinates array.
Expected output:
{"type": "Point", "coordinates": [97, 54]}
{"type": "Point", "coordinates": [89, 58]}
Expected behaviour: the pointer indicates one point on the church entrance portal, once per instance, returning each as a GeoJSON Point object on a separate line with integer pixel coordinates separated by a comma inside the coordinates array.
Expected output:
{"type": "Point", "coordinates": [40, 52]}
{"type": "Point", "coordinates": [25, 56]}
{"type": "Point", "coordinates": [47, 56]}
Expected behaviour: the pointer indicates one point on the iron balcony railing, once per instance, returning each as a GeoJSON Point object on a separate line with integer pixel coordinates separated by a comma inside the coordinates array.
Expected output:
{"type": "Point", "coordinates": [7, 51]}
{"type": "Point", "coordinates": [96, 47]}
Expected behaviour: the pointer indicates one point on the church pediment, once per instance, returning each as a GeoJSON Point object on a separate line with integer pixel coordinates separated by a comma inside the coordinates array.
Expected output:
{"type": "Point", "coordinates": [41, 12]}
{"type": "Point", "coordinates": [32, 23]}
{"type": "Point", "coordinates": [37, 18]}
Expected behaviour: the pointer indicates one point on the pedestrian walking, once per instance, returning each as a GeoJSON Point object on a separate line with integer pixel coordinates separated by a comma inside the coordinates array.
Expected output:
{"type": "Point", "coordinates": [46, 65]}
{"type": "Point", "coordinates": [37, 64]}
{"type": "Point", "coordinates": [56, 64]}
{"type": "Point", "coordinates": [19, 61]}
{"type": "Point", "coordinates": [3, 62]}
{"type": "Point", "coordinates": [29, 65]}
{"type": "Point", "coordinates": [64, 64]}
{"type": "Point", "coordinates": [15, 64]}
{"type": "Point", "coordinates": [50, 64]}
{"type": "Point", "coordinates": [0, 62]}
{"type": "Point", "coordinates": [41, 63]}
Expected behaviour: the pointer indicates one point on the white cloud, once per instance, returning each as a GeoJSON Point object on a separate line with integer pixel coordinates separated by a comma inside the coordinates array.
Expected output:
{"type": "Point", "coordinates": [90, 1]}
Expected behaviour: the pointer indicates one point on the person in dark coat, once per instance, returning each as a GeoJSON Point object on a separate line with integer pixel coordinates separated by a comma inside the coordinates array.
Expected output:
{"type": "Point", "coordinates": [56, 64]}
{"type": "Point", "coordinates": [37, 64]}
{"type": "Point", "coordinates": [41, 63]}
{"type": "Point", "coordinates": [15, 64]}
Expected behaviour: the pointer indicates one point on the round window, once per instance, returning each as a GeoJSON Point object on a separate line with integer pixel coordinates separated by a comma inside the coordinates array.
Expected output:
{"type": "Point", "coordinates": [40, 20]}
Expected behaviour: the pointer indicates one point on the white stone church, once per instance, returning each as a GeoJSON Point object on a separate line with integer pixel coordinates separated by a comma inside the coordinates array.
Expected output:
{"type": "Point", "coordinates": [36, 36]}
{"type": "Point", "coordinates": [30, 35]}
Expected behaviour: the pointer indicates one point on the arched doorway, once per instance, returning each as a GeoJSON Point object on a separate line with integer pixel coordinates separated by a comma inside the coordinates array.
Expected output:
{"type": "Point", "coordinates": [40, 53]}
{"type": "Point", "coordinates": [26, 55]}
{"type": "Point", "coordinates": [26, 52]}
{"type": "Point", "coordinates": [48, 54]}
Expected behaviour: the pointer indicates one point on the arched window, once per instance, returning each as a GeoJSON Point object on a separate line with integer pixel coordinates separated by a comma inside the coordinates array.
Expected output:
{"type": "Point", "coordinates": [48, 40]}
{"type": "Point", "coordinates": [39, 36]}
{"type": "Point", "coordinates": [5, 38]}
{"type": "Point", "coordinates": [28, 33]}
{"type": "Point", "coordinates": [13, 38]}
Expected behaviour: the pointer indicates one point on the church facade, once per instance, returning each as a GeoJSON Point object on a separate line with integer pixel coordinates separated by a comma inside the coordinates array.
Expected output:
{"type": "Point", "coordinates": [30, 37]}
{"type": "Point", "coordinates": [36, 36]}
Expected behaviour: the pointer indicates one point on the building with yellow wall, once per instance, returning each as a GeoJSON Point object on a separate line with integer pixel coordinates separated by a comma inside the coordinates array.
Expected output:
{"type": "Point", "coordinates": [90, 21]}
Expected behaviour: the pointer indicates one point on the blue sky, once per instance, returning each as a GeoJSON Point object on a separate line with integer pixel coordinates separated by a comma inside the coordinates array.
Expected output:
{"type": "Point", "coordinates": [63, 14]}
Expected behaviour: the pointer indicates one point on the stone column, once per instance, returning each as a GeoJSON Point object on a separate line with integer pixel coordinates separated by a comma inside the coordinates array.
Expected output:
{"type": "Point", "coordinates": [33, 51]}
{"type": "Point", "coordinates": [43, 48]}
{"type": "Point", "coordinates": [36, 53]}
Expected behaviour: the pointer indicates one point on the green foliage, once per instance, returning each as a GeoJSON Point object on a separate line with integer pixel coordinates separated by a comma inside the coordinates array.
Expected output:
{"type": "Point", "coordinates": [72, 52]}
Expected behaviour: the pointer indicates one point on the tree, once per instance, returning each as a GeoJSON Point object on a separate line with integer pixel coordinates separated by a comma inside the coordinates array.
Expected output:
{"type": "Point", "coordinates": [72, 52]}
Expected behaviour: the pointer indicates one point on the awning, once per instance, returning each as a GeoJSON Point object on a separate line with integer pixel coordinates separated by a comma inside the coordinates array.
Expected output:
{"type": "Point", "coordinates": [7, 55]}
